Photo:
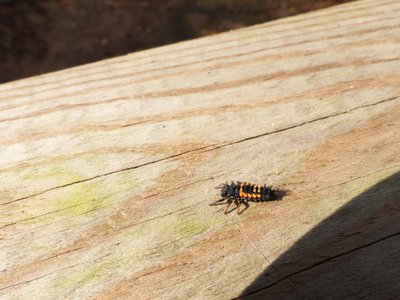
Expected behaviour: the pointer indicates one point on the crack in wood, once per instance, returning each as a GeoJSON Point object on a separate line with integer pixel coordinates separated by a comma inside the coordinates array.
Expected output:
{"type": "Point", "coordinates": [144, 221]}
{"type": "Point", "coordinates": [304, 123]}
{"type": "Point", "coordinates": [263, 255]}
{"type": "Point", "coordinates": [104, 174]}
{"type": "Point", "coordinates": [396, 166]}
{"type": "Point", "coordinates": [31, 229]}
{"type": "Point", "coordinates": [317, 264]}
{"type": "Point", "coordinates": [34, 279]}
{"type": "Point", "coordinates": [24, 282]}
{"type": "Point", "coordinates": [205, 149]}
{"type": "Point", "coordinates": [38, 216]}
{"type": "Point", "coordinates": [55, 271]}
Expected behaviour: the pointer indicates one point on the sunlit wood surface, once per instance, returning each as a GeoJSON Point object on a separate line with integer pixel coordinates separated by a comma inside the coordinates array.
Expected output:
{"type": "Point", "coordinates": [107, 169]}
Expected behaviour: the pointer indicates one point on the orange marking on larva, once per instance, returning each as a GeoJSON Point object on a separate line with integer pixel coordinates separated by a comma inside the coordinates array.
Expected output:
{"type": "Point", "coordinates": [241, 194]}
{"type": "Point", "coordinates": [250, 188]}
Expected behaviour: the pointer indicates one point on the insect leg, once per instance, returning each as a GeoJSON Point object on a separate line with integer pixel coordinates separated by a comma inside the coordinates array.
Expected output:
{"type": "Point", "coordinates": [237, 203]}
{"type": "Point", "coordinates": [246, 207]}
{"type": "Point", "coordinates": [238, 207]}
{"type": "Point", "coordinates": [218, 202]}
{"type": "Point", "coordinates": [229, 203]}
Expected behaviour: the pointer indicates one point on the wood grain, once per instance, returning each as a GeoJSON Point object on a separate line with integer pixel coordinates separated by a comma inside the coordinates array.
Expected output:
{"type": "Point", "coordinates": [107, 169]}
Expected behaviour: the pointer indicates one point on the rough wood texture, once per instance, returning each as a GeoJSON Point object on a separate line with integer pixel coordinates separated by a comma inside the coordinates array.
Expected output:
{"type": "Point", "coordinates": [107, 169]}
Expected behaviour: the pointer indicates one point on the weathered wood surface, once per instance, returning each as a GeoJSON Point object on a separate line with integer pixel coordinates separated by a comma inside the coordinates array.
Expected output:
{"type": "Point", "coordinates": [107, 169]}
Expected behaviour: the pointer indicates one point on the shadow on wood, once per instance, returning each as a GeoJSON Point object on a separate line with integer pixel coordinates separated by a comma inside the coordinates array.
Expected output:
{"type": "Point", "coordinates": [354, 254]}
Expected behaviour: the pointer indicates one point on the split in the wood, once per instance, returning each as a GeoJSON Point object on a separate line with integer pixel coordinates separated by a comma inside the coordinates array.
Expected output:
{"type": "Point", "coordinates": [243, 192]}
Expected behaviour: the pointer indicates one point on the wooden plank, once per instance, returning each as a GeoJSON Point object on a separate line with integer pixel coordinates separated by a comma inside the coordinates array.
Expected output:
{"type": "Point", "coordinates": [108, 168]}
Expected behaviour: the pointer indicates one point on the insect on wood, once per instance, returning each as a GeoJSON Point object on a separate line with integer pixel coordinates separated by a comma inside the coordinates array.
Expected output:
{"type": "Point", "coordinates": [243, 192]}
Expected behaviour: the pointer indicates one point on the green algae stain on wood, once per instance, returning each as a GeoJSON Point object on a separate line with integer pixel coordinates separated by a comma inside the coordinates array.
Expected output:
{"type": "Point", "coordinates": [86, 275]}
{"type": "Point", "coordinates": [80, 199]}
{"type": "Point", "coordinates": [136, 249]}
{"type": "Point", "coordinates": [90, 196]}
{"type": "Point", "coordinates": [190, 227]}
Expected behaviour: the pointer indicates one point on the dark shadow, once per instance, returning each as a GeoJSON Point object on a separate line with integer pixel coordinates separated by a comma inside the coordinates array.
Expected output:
{"type": "Point", "coordinates": [353, 254]}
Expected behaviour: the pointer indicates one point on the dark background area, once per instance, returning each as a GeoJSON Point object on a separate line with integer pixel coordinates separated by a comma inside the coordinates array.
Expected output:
{"type": "Point", "coordinates": [39, 36]}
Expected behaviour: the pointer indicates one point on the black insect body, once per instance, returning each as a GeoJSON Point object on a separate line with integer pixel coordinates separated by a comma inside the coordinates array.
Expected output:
{"type": "Point", "coordinates": [243, 192]}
